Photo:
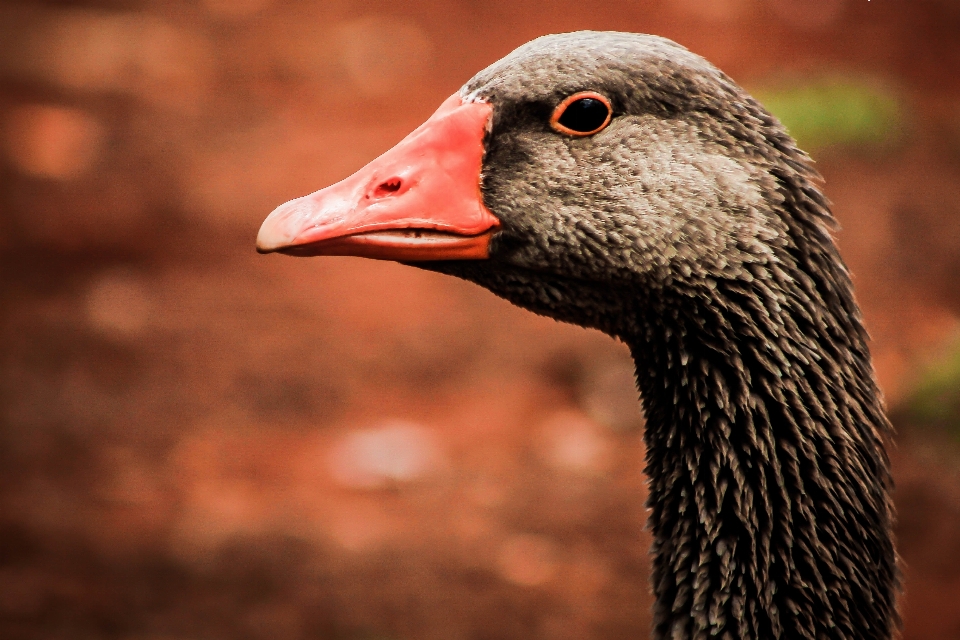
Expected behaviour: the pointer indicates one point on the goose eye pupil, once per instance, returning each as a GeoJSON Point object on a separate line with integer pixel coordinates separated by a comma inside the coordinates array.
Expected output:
{"type": "Point", "coordinates": [584, 115]}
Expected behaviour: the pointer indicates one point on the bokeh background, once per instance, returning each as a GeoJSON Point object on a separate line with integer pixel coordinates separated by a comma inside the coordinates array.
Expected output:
{"type": "Point", "coordinates": [198, 442]}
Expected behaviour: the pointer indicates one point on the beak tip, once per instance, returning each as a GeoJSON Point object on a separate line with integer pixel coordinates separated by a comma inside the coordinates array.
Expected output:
{"type": "Point", "coordinates": [281, 228]}
{"type": "Point", "coordinates": [271, 239]}
{"type": "Point", "coordinates": [266, 244]}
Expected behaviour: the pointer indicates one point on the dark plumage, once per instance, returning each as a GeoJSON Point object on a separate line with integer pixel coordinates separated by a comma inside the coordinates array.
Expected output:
{"type": "Point", "coordinates": [694, 230]}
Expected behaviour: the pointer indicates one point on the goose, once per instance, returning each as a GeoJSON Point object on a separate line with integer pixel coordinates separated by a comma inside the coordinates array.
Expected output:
{"type": "Point", "coordinates": [620, 182]}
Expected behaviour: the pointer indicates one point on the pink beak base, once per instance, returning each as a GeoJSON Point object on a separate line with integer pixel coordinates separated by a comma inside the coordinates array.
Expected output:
{"type": "Point", "coordinates": [418, 201]}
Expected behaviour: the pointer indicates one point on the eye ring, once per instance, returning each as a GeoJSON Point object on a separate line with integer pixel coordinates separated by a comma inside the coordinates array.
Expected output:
{"type": "Point", "coordinates": [561, 109]}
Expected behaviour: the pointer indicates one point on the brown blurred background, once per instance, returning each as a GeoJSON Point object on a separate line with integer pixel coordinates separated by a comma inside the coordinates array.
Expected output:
{"type": "Point", "coordinates": [199, 442]}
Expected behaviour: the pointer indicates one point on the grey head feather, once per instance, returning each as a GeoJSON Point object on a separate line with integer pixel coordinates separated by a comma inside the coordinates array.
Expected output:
{"type": "Point", "coordinates": [674, 186]}
{"type": "Point", "coordinates": [693, 229]}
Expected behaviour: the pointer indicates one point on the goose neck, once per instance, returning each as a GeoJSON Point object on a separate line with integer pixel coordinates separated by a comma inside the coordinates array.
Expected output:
{"type": "Point", "coordinates": [768, 480]}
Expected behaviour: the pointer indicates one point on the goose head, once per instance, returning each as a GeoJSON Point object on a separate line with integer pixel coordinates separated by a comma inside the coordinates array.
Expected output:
{"type": "Point", "coordinates": [659, 180]}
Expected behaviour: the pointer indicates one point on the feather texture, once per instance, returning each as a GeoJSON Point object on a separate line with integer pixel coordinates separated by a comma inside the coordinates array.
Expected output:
{"type": "Point", "coordinates": [693, 229]}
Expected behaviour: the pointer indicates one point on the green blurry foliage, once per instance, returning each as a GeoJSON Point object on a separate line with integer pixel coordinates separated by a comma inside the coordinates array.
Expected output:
{"type": "Point", "coordinates": [836, 112]}
{"type": "Point", "coordinates": [935, 402]}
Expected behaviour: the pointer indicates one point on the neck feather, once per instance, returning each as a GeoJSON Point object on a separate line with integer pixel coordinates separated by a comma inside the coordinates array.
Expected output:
{"type": "Point", "coordinates": [769, 484]}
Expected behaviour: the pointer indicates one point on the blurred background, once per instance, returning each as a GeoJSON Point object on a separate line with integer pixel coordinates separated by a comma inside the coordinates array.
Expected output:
{"type": "Point", "coordinates": [199, 442]}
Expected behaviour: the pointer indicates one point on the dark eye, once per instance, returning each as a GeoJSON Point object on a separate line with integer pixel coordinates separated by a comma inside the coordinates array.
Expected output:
{"type": "Point", "coordinates": [581, 114]}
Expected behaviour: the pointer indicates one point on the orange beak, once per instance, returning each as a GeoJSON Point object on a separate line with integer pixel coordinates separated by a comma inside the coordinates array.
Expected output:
{"type": "Point", "coordinates": [418, 201]}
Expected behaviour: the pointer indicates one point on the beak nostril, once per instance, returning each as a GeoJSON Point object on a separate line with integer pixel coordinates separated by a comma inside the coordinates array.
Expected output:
{"type": "Point", "coordinates": [388, 187]}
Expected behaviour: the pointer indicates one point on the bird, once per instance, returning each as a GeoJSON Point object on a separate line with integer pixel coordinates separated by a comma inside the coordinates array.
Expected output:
{"type": "Point", "coordinates": [620, 182]}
